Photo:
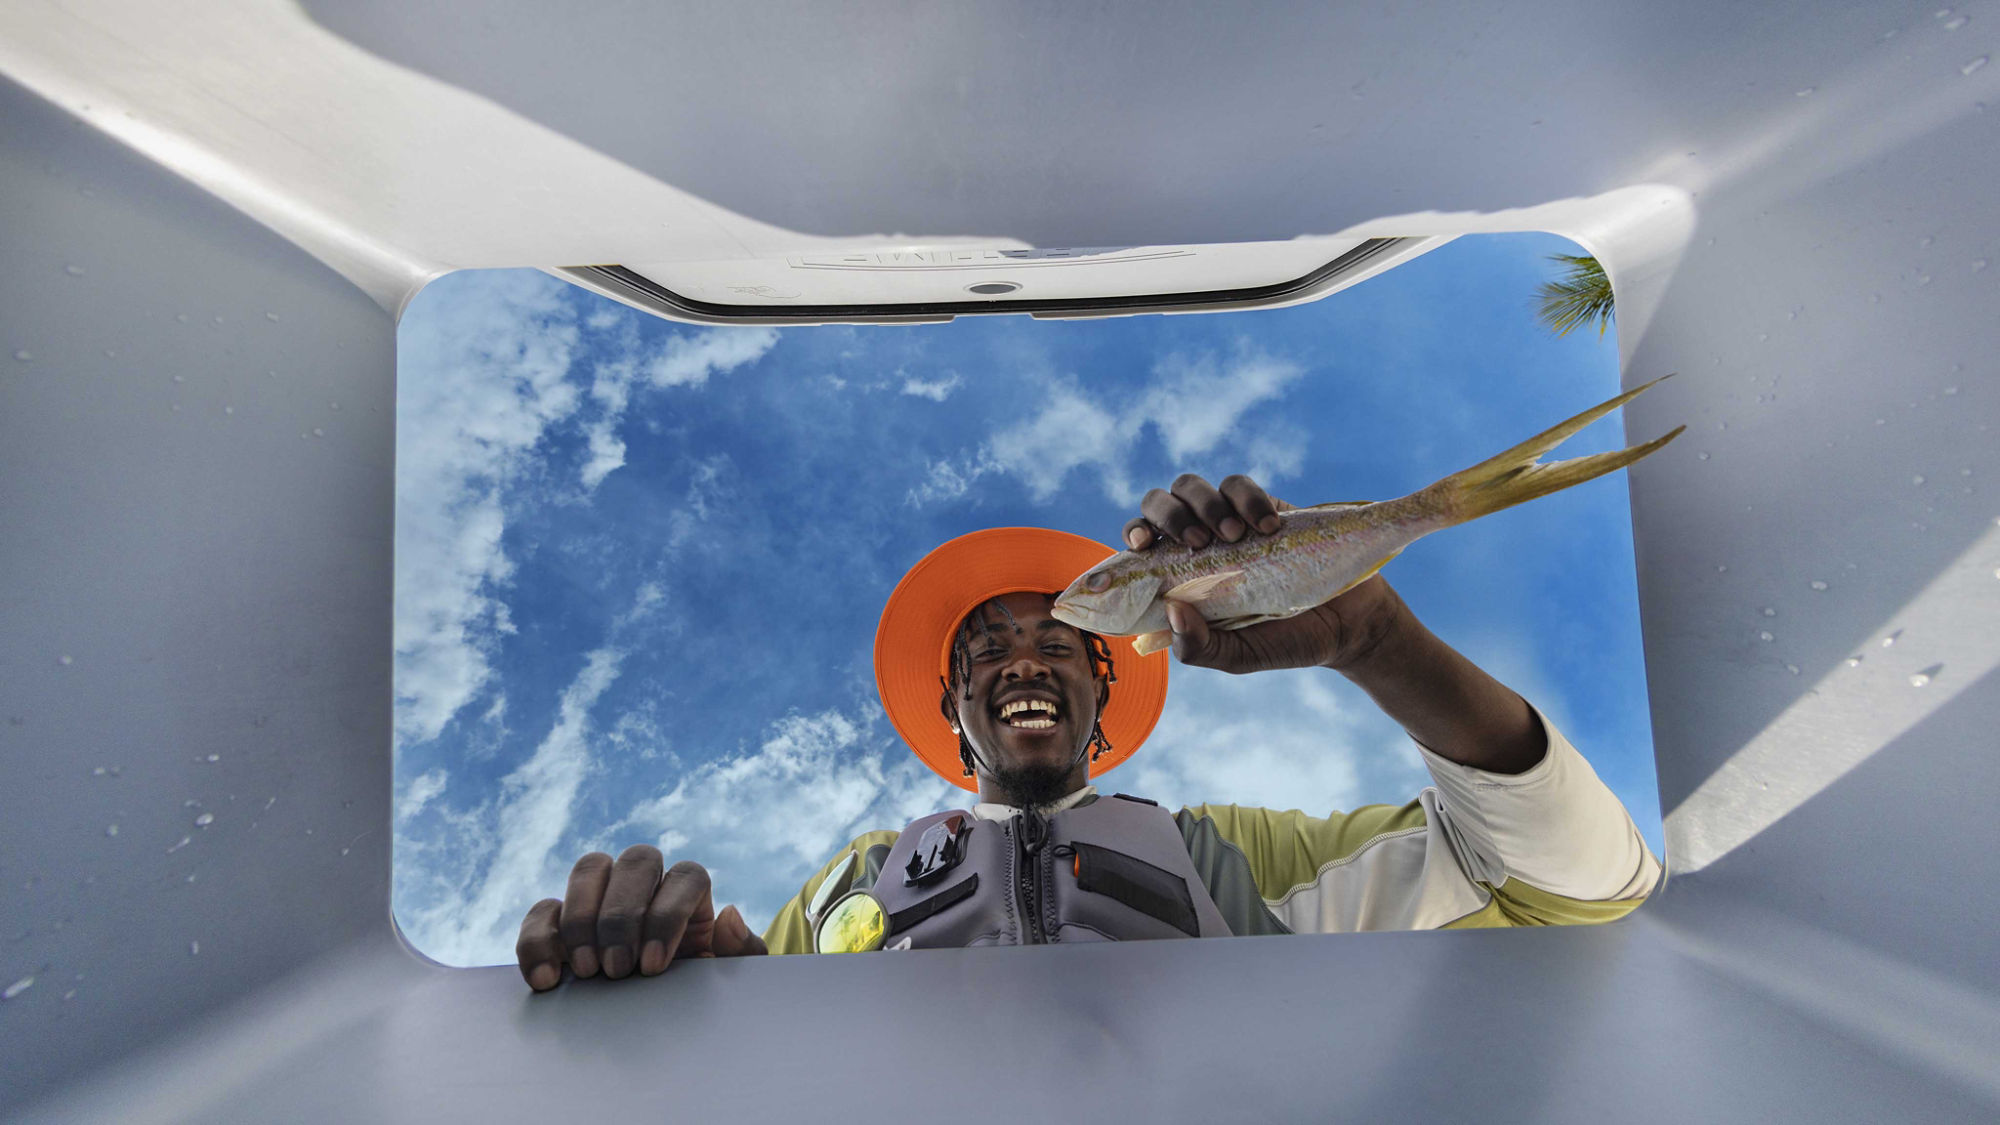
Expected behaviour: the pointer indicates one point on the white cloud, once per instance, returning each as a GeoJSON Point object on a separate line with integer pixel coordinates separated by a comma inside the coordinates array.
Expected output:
{"type": "Point", "coordinates": [1282, 740]}
{"type": "Point", "coordinates": [684, 361]}
{"type": "Point", "coordinates": [762, 820]}
{"type": "Point", "coordinates": [1067, 432]}
{"type": "Point", "coordinates": [419, 792]}
{"type": "Point", "coordinates": [483, 881]}
{"type": "Point", "coordinates": [1194, 402]}
{"type": "Point", "coordinates": [937, 390]}
{"type": "Point", "coordinates": [944, 481]}
{"type": "Point", "coordinates": [482, 376]}
{"type": "Point", "coordinates": [688, 361]}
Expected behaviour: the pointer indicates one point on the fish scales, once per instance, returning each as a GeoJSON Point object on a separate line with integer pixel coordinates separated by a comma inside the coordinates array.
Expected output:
{"type": "Point", "coordinates": [1318, 552]}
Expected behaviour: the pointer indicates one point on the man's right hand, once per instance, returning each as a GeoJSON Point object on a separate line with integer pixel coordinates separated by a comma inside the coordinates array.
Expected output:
{"type": "Point", "coordinates": [625, 915]}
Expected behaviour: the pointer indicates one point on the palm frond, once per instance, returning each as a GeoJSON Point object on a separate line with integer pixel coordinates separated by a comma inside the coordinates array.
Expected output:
{"type": "Point", "coordinates": [1581, 295]}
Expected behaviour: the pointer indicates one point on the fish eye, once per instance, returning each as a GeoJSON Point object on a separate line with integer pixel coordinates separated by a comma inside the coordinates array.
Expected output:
{"type": "Point", "coordinates": [1097, 582]}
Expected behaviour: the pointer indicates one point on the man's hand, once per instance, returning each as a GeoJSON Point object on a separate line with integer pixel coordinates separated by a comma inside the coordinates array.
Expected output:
{"type": "Point", "coordinates": [1198, 514]}
{"type": "Point", "coordinates": [625, 915]}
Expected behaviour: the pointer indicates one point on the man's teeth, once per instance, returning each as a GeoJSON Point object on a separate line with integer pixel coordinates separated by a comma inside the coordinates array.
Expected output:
{"type": "Point", "coordinates": [1029, 714]}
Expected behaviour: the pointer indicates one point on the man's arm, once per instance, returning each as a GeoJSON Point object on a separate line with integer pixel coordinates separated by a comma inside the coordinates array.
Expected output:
{"type": "Point", "coordinates": [1520, 809]}
{"type": "Point", "coordinates": [1447, 703]}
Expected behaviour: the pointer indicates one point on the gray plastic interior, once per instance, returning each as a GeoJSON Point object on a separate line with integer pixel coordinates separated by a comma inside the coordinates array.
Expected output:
{"type": "Point", "coordinates": [179, 583]}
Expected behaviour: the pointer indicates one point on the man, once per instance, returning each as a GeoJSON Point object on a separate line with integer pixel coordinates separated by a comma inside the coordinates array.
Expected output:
{"type": "Point", "coordinates": [994, 693]}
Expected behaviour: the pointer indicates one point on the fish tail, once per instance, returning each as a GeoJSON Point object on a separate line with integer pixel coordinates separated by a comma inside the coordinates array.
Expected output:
{"type": "Point", "coordinates": [1515, 477]}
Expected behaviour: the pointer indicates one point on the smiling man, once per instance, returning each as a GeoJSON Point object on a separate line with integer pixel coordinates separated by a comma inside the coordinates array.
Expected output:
{"type": "Point", "coordinates": [999, 697]}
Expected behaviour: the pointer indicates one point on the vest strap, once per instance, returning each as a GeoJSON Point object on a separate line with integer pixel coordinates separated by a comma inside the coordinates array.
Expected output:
{"type": "Point", "coordinates": [910, 915]}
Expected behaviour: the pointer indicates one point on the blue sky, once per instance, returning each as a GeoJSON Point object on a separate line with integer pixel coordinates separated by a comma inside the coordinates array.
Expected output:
{"type": "Point", "coordinates": [639, 564]}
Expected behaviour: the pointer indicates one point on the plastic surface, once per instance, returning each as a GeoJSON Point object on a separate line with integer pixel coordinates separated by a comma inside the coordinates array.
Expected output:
{"type": "Point", "coordinates": [1797, 212]}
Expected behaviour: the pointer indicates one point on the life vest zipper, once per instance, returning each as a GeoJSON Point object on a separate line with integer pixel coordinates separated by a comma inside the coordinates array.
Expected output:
{"type": "Point", "coordinates": [1034, 833]}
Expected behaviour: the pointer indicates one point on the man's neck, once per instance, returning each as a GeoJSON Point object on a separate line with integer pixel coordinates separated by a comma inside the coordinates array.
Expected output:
{"type": "Point", "coordinates": [1000, 810]}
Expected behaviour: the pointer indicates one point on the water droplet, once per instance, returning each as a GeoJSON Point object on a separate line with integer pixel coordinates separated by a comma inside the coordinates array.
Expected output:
{"type": "Point", "coordinates": [1951, 390]}
{"type": "Point", "coordinates": [1763, 335]}
{"type": "Point", "coordinates": [1955, 24]}
{"type": "Point", "coordinates": [317, 432]}
{"type": "Point", "coordinates": [65, 660]}
{"type": "Point", "coordinates": [272, 317]}
{"type": "Point", "coordinates": [1978, 264]}
{"type": "Point", "coordinates": [343, 851]}
{"type": "Point", "coordinates": [1722, 425]}
{"type": "Point", "coordinates": [111, 353]}
{"type": "Point", "coordinates": [180, 378]}
{"type": "Point", "coordinates": [190, 877]}
{"type": "Point", "coordinates": [1891, 638]}
{"type": "Point", "coordinates": [1854, 661]}
{"type": "Point", "coordinates": [1881, 421]}
{"type": "Point", "coordinates": [1925, 241]}
{"type": "Point", "coordinates": [1941, 13]}
{"type": "Point", "coordinates": [1918, 679]}
{"type": "Point", "coordinates": [24, 355]}
{"type": "Point", "coordinates": [1769, 612]}
{"type": "Point", "coordinates": [1805, 93]}
{"type": "Point", "coordinates": [1766, 636]}
{"type": "Point", "coordinates": [269, 803]}
{"type": "Point", "coordinates": [213, 758]}
{"type": "Point", "coordinates": [176, 408]}
{"type": "Point", "coordinates": [1792, 668]}
{"type": "Point", "coordinates": [229, 410]}
{"type": "Point", "coordinates": [1818, 585]}
{"type": "Point", "coordinates": [111, 830]}
{"type": "Point", "coordinates": [70, 995]}
{"type": "Point", "coordinates": [1721, 568]}
{"type": "Point", "coordinates": [218, 320]}
{"type": "Point", "coordinates": [1917, 480]}
{"type": "Point", "coordinates": [97, 771]}
{"type": "Point", "coordinates": [204, 820]}
{"type": "Point", "coordinates": [1923, 279]}
{"type": "Point", "coordinates": [1972, 67]}
{"type": "Point", "coordinates": [73, 271]}
{"type": "Point", "coordinates": [194, 949]}
{"type": "Point", "coordinates": [185, 841]}
{"type": "Point", "coordinates": [18, 987]}
{"type": "Point", "coordinates": [1703, 456]}
{"type": "Point", "coordinates": [335, 405]}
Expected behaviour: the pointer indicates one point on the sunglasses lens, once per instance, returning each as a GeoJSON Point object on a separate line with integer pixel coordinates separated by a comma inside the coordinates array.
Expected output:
{"type": "Point", "coordinates": [855, 923]}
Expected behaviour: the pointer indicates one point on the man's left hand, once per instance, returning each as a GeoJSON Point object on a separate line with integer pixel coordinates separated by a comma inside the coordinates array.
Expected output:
{"type": "Point", "coordinates": [1334, 634]}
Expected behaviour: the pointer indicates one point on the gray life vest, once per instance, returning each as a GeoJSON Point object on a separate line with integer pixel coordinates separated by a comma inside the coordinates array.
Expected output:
{"type": "Point", "coordinates": [1114, 869]}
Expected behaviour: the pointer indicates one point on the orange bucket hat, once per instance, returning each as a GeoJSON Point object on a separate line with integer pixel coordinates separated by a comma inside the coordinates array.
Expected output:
{"type": "Point", "coordinates": [913, 641]}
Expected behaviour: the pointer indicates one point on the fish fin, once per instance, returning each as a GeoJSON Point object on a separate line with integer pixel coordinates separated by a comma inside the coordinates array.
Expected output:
{"type": "Point", "coordinates": [1515, 476]}
{"type": "Point", "coordinates": [1146, 644]}
{"type": "Point", "coordinates": [1367, 574]}
{"type": "Point", "coordinates": [1197, 590]}
{"type": "Point", "coordinates": [1331, 504]}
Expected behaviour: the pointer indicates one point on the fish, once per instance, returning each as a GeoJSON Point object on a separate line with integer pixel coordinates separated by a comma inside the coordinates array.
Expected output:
{"type": "Point", "coordinates": [1320, 552]}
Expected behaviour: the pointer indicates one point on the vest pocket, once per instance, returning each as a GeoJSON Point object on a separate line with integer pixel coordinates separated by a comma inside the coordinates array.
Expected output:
{"type": "Point", "coordinates": [1150, 890]}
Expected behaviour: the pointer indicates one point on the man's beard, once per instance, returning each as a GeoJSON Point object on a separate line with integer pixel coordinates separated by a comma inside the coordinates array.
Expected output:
{"type": "Point", "coordinates": [1033, 785]}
